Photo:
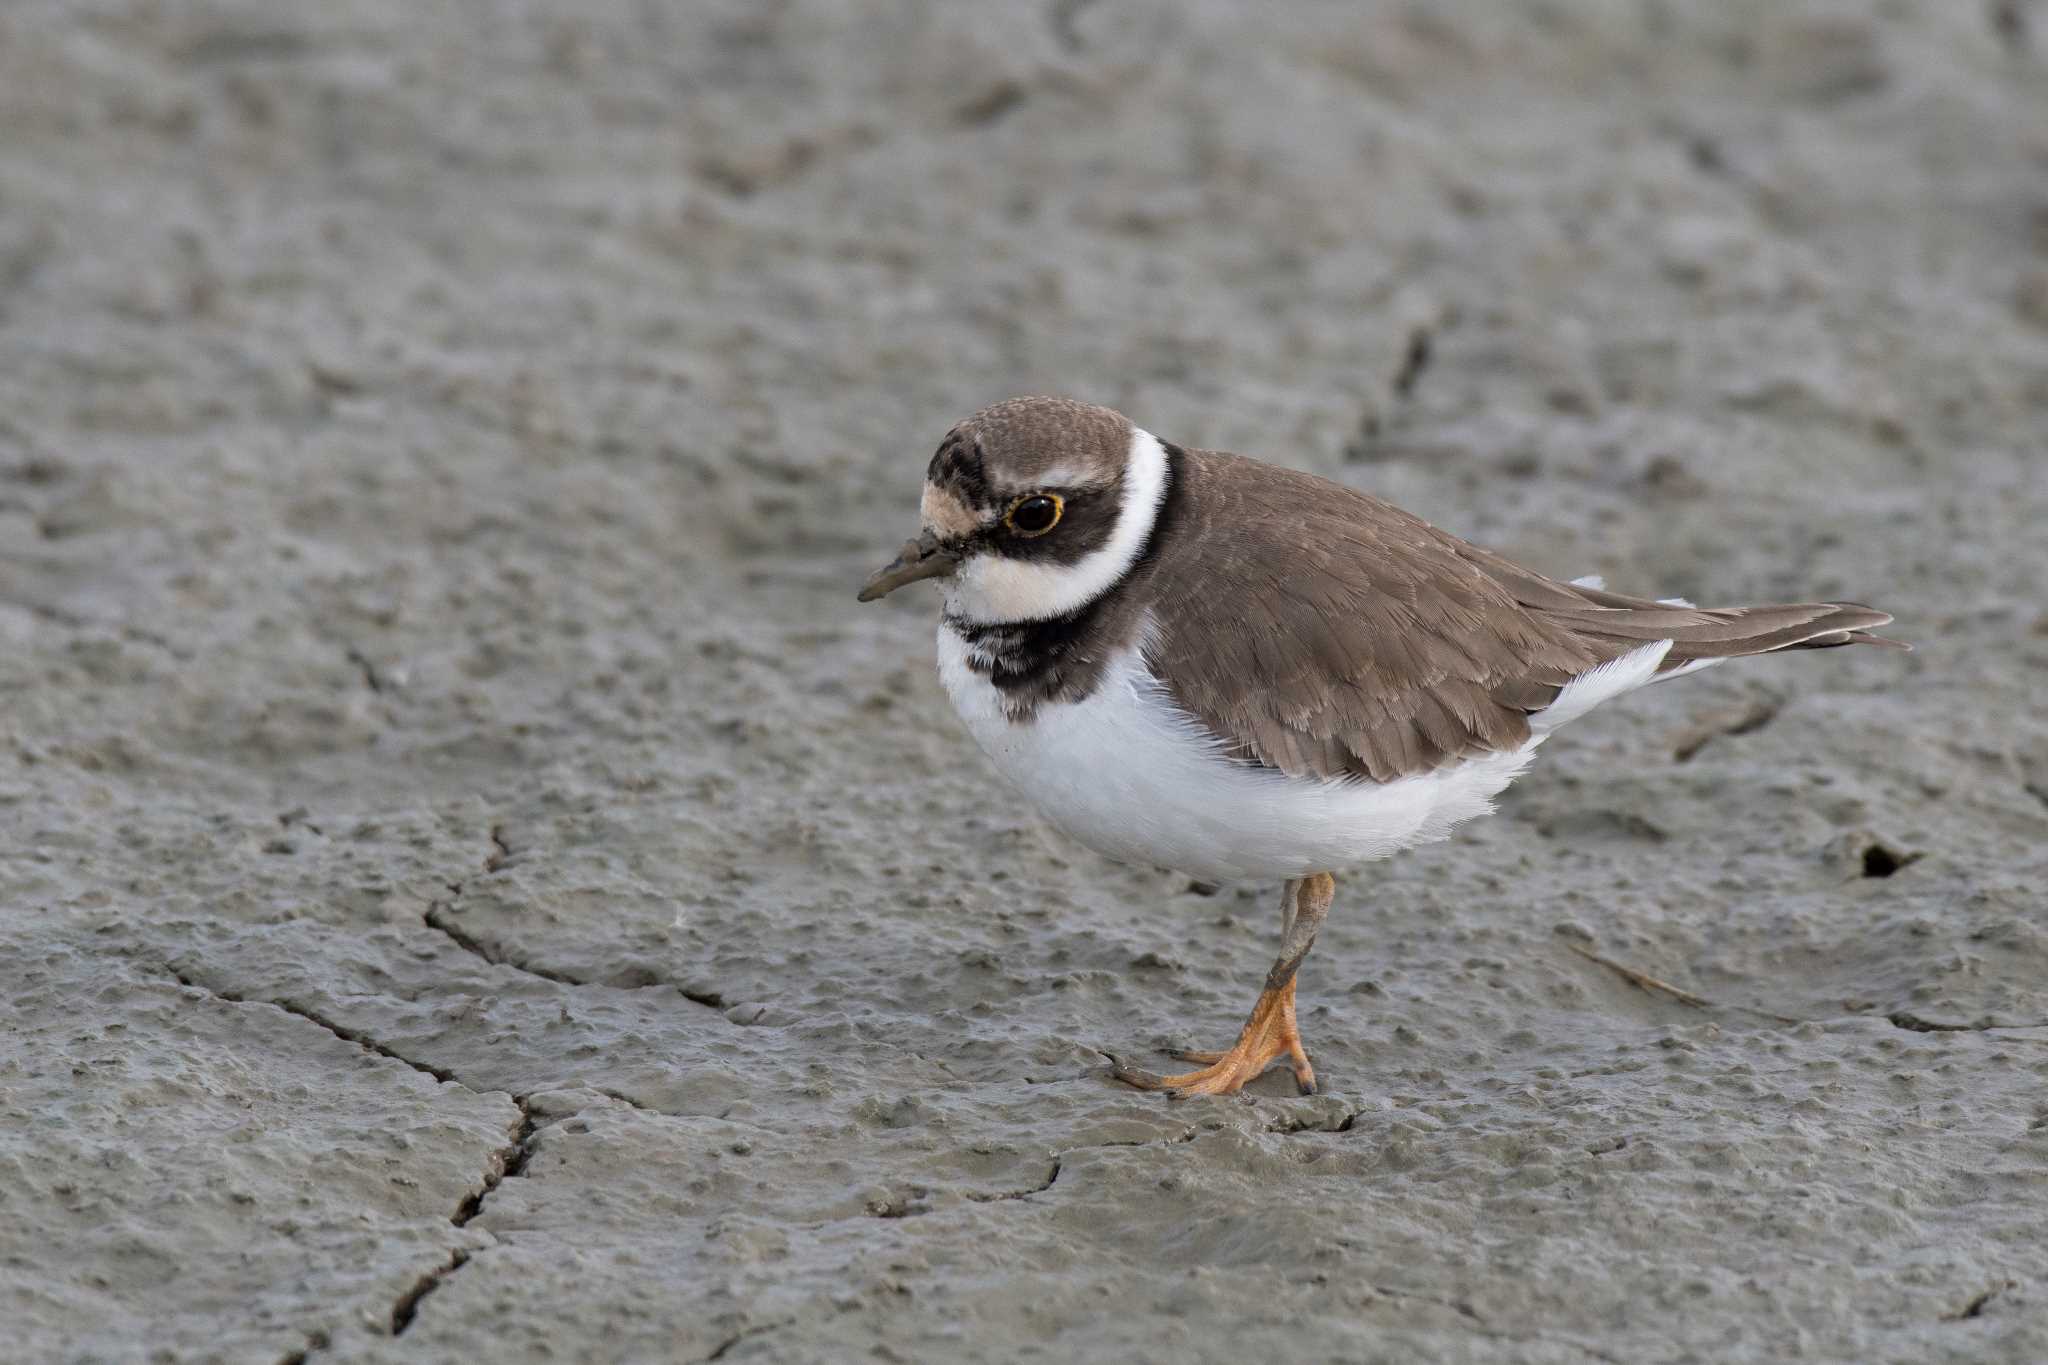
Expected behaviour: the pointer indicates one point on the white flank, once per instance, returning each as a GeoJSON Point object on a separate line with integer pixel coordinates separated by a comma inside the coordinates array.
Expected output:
{"type": "Point", "coordinates": [1131, 775]}
{"type": "Point", "coordinates": [1603, 684]}
{"type": "Point", "coordinates": [992, 588]}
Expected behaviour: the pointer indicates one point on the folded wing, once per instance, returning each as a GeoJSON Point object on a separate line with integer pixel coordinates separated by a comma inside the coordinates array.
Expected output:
{"type": "Point", "coordinates": [1326, 633]}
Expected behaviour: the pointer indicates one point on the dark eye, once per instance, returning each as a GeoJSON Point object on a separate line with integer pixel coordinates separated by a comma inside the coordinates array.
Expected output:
{"type": "Point", "coordinates": [1035, 515]}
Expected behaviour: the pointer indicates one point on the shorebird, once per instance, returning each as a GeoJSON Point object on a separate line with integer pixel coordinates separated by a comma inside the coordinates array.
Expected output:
{"type": "Point", "coordinates": [1199, 661]}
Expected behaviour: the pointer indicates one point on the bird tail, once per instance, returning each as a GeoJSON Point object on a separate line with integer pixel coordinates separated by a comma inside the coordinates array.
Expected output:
{"type": "Point", "coordinates": [1699, 635]}
{"type": "Point", "coordinates": [1703, 635]}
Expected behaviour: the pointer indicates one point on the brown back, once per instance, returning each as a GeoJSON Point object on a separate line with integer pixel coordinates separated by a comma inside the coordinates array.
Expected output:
{"type": "Point", "coordinates": [1328, 633]}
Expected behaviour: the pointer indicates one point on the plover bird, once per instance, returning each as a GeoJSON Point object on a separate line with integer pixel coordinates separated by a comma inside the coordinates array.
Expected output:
{"type": "Point", "coordinates": [1238, 671]}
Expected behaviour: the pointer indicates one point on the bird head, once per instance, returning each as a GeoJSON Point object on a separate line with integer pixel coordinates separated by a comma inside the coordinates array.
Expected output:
{"type": "Point", "coordinates": [1031, 509]}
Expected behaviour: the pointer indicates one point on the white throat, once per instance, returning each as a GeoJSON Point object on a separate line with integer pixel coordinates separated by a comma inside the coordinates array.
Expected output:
{"type": "Point", "coordinates": [990, 589]}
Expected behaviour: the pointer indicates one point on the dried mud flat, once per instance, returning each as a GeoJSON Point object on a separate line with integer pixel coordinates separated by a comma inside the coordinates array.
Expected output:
{"type": "Point", "coordinates": [473, 885]}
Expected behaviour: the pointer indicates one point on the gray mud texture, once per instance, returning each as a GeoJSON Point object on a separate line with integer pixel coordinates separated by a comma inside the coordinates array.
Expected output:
{"type": "Point", "coordinates": [474, 886]}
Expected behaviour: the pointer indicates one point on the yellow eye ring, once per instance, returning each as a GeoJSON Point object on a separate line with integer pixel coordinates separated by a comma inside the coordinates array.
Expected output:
{"type": "Point", "coordinates": [1034, 514]}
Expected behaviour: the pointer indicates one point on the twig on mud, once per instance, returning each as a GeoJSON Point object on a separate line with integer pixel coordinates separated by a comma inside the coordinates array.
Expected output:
{"type": "Point", "coordinates": [1642, 980]}
{"type": "Point", "coordinates": [1645, 982]}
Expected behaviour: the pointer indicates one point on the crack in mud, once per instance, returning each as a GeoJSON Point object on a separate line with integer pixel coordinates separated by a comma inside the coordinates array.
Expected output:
{"type": "Point", "coordinates": [1188, 1136]}
{"type": "Point", "coordinates": [998, 1196]}
{"type": "Point", "coordinates": [909, 1205]}
{"type": "Point", "coordinates": [341, 1031]}
{"type": "Point", "coordinates": [438, 918]}
{"type": "Point", "coordinates": [507, 1163]}
{"type": "Point", "coordinates": [408, 1305]}
{"type": "Point", "coordinates": [1281, 1125]}
{"type": "Point", "coordinates": [1269, 1125]}
{"type": "Point", "coordinates": [910, 1202]}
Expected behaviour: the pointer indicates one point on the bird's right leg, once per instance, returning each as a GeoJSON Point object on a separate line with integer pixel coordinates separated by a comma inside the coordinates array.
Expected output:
{"type": "Point", "coordinates": [1270, 1033]}
{"type": "Point", "coordinates": [1290, 902]}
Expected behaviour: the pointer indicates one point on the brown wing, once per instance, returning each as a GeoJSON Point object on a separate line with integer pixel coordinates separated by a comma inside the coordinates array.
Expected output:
{"type": "Point", "coordinates": [1327, 633]}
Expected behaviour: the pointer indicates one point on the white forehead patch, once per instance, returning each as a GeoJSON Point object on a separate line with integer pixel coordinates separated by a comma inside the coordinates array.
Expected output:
{"type": "Point", "coordinates": [942, 511]}
{"type": "Point", "coordinates": [991, 588]}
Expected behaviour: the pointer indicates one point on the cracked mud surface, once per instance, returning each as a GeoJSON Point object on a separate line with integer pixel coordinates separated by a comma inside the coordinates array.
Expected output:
{"type": "Point", "coordinates": [475, 885]}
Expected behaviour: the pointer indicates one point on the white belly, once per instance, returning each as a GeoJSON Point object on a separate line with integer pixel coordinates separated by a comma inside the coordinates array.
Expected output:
{"type": "Point", "coordinates": [1129, 774]}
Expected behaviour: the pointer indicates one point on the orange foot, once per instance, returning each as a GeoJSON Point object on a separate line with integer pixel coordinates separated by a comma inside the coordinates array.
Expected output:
{"type": "Point", "coordinates": [1268, 1035]}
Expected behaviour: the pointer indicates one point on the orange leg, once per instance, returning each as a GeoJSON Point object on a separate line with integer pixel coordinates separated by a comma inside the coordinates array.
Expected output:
{"type": "Point", "coordinates": [1270, 1034]}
